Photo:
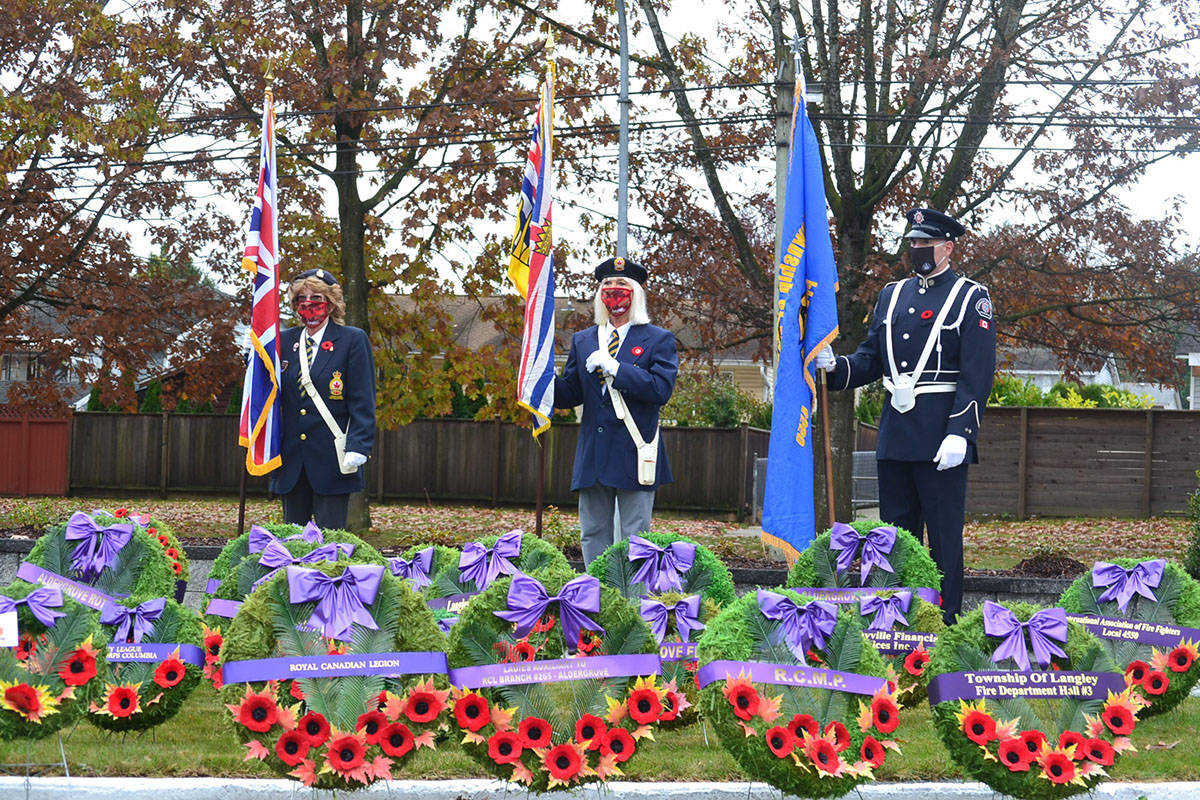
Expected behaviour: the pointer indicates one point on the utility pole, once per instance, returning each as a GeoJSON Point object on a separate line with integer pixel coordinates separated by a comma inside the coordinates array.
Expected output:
{"type": "Point", "coordinates": [785, 86]}
{"type": "Point", "coordinates": [623, 141]}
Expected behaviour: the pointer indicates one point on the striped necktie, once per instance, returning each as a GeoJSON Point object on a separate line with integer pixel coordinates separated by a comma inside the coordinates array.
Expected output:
{"type": "Point", "coordinates": [614, 343]}
{"type": "Point", "coordinates": [311, 347]}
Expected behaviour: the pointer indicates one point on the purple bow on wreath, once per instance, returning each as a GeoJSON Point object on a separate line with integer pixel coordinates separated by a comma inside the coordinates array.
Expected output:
{"type": "Point", "coordinates": [416, 569]}
{"type": "Point", "coordinates": [261, 537]}
{"type": "Point", "coordinates": [887, 610]}
{"type": "Point", "coordinates": [484, 564]}
{"type": "Point", "coordinates": [41, 603]}
{"type": "Point", "coordinates": [1123, 583]}
{"type": "Point", "coordinates": [803, 626]}
{"type": "Point", "coordinates": [661, 568]}
{"type": "Point", "coordinates": [528, 601]}
{"type": "Point", "coordinates": [341, 601]}
{"type": "Point", "coordinates": [876, 545]}
{"type": "Point", "coordinates": [1044, 627]}
{"type": "Point", "coordinates": [687, 616]}
{"type": "Point", "coordinates": [275, 556]}
{"type": "Point", "coordinates": [133, 624]}
{"type": "Point", "coordinates": [98, 547]}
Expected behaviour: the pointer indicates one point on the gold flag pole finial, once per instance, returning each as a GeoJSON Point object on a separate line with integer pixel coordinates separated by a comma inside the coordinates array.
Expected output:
{"type": "Point", "coordinates": [549, 41]}
{"type": "Point", "coordinates": [269, 73]}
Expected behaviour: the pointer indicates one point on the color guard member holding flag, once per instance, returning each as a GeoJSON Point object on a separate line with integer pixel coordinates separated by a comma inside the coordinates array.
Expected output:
{"type": "Point", "coordinates": [933, 341]}
{"type": "Point", "coordinates": [622, 370]}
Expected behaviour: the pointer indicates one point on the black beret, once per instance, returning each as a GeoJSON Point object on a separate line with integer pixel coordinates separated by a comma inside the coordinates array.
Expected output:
{"type": "Point", "coordinates": [317, 273]}
{"type": "Point", "coordinates": [621, 268]}
{"type": "Point", "coordinates": [930, 224]}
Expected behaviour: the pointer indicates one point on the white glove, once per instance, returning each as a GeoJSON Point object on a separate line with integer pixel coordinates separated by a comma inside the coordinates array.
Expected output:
{"type": "Point", "coordinates": [825, 359]}
{"type": "Point", "coordinates": [593, 361]}
{"type": "Point", "coordinates": [951, 453]}
{"type": "Point", "coordinates": [609, 364]}
{"type": "Point", "coordinates": [353, 460]}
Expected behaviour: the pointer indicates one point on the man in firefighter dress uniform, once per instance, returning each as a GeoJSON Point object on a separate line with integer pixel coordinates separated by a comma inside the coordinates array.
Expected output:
{"type": "Point", "coordinates": [932, 339]}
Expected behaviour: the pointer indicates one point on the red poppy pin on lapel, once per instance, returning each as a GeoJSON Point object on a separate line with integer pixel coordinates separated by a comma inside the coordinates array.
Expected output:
{"type": "Point", "coordinates": [637, 351]}
{"type": "Point", "coordinates": [327, 345]}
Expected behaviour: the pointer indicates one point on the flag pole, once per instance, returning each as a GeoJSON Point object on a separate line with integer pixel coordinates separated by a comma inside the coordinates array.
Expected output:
{"type": "Point", "coordinates": [821, 374]}
{"type": "Point", "coordinates": [540, 493]}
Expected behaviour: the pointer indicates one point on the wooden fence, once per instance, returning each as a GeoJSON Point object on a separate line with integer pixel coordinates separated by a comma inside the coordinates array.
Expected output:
{"type": "Point", "coordinates": [443, 459]}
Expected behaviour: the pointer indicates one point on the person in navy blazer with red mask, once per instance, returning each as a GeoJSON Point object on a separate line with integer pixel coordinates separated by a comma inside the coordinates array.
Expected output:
{"type": "Point", "coordinates": [310, 478]}
{"type": "Point", "coordinates": [641, 361]}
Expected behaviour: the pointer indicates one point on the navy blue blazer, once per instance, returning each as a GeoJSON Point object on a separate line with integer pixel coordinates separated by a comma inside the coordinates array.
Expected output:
{"type": "Point", "coordinates": [965, 355]}
{"type": "Point", "coordinates": [605, 452]}
{"type": "Point", "coordinates": [343, 373]}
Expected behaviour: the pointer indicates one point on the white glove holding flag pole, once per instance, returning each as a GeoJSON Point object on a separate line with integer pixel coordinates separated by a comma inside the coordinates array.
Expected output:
{"type": "Point", "coordinates": [353, 460]}
{"type": "Point", "coordinates": [592, 364]}
{"type": "Point", "coordinates": [951, 453]}
{"type": "Point", "coordinates": [825, 359]}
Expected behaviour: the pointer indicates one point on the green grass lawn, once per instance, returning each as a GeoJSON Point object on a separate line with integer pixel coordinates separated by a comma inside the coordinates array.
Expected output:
{"type": "Point", "coordinates": [200, 741]}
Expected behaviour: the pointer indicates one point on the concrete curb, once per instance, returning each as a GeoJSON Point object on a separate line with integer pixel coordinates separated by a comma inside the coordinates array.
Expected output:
{"type": "Point", "coordinates": [270, 789]}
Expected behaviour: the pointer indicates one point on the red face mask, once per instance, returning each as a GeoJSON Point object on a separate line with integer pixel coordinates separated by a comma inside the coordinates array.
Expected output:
{"type": "Point", "coordinates": [617, 300]}
{"type": "Point", "coordinates": [314, 313]}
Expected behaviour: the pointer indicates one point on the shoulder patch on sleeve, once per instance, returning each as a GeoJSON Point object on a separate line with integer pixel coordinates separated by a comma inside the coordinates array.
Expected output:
{"type": "Point", "coordinates": [983, 307]}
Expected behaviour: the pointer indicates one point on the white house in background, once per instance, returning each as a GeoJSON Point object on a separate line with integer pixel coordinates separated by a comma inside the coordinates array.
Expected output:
{"type": "Point", "coordinates": [1189, 351]}
{"type": "Point", "coordinates": [1040, 366]}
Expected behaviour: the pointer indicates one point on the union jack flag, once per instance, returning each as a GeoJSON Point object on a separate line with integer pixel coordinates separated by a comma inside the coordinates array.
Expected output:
{"type": "Point", "coordinates": [531, 266]}
{"type": "Point", "coordinates": [258, 430]}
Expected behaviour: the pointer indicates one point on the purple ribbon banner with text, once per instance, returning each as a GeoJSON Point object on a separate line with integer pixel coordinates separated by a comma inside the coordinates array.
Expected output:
{"type": "Point", "coordinates": [453, 602]}
{"type": "Point", "coordinates": [790, 675]}
{"type": "Point", "coordinates": [335, 666]}
{"type": "Point", "coordinates": [894, 643]}
{"type": "Point", "coordinates": [76, 591]}
{"type": "Point", "coordinates": [677, 651]}
{"type": "Point", "coordinates": [562, 669]}
{"type": "Point", "coordinates": [223, 608]}
{"type": "Point", "coordinates": [1132, 630]}
{"type": "Point", "coordinates": [1043, 685]}
{"type": "Point", "coordinates": [851, 595]}
{"type": "Point", "coordinates": [145, 651]}
{"type": "Point", "coordinates": [212, 586]}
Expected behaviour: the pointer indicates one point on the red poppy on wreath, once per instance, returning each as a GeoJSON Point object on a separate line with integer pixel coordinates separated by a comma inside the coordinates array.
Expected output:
{"type": "Point", "coordinates": [1156, 682]}
{"type": "Point", "coordinates": [520, 652]}
{"type": "Point", "coordinates": [534, 732]}
{"type": "Point", "coordinates": [823, 756]}
{"type": "Point", "coordinates": [589, 730]}
{"type": "Point", "coordinates": [345, 754]}
{"type": "Point", "coordinates": [292, 747]}
{"type": "Point", "coordinates": [1034, 741]}
{"type": "Point", "coordinates": [563, 762]}
{"type": "Point", "coordinates": [173, 553]}
{"type": "Point", "coordinates": [780, 741]}
{"type": "Point", "coordinates": [25, 700]}
{"type": "Point", "coordinates": [884, 714]}
{"type": "Point", "coordinates": [979, 727]}
{"type": "Point", "coordinates": [670, 704]}
{"type": "Point", "coordinates": [743, 697]}
{"type": "Point", "coordinates": [327, 345]}
{"type": "Point", "coordinates": [1015, 755]}
{"type": "Point", "coordinates": [26, 646]}
{"type": "Point", "coordinates": [644, 706]}
{"type": "Point", "coordinates": [1136, 672]}
{"type": "Point", "coordinates": [618, 743]}
{"type": "Point", "coordinates": [177, 568]}
{"type": "Point", "coordinates": [841, 736]}
{"type": "Point", "coordinates": [121, 512]}
{"type": "Point", "coordinates": [423, 706]}
{"type": "Point", "coordinates": [802, 725]}
{"type": "Point", "coordinates": [1099, 751]}
{"type": "Point", "coordinates": [163, 540]}
{"type": "Point", "coordinates": [588, 642]}
{"type": "Point", "coordinates": [371, 725]}
{"type": "Point", "coordinates": [1058, 767]}
{"type": "Point", "coordinates": [396, 739]}
{"type": "Point", "coordinates": [637, 351]}
{"type": "Point", "coordinates": [80, 667]}
{"type": "Point", "coordinates": [1119, 719]}
{"type": "Point", "coordinates": [295, 690]}
{"type": "Point", "coordinates": [544, 625]}
{"type": "Point", "coordinates": [212, 645]}
{"type": "Point", "coordinates": [1181, 658]}
{"type": "Point", "coordinates": [122, 701]}
{"type": "Point", "coordinates": [914, 662]}
{"type": "Point", "coordinates": [169, 673]}
{"type": "Point", "coordinates": [315, 727]}
{"type": "Point", "coordinates": [1073, 739]}
{"type": "Point", "coordinates": [504, 747]}
{"type": "Point", "coordinates": [257, 712]}
{"type": "Point", "coordinates": [471, 711]}
{"type": "Point", "coordinates": [380, 702]}
{"type": "Point", "coordinates": [872, 751]}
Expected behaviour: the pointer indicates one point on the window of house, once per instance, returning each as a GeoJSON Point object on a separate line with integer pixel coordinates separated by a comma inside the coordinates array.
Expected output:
{"type": "Point", "coordinates": [20, 367]}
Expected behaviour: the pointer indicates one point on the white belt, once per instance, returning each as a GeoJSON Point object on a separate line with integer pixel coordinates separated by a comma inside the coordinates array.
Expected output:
{"type": "Point", "coordinates": [929, 387]}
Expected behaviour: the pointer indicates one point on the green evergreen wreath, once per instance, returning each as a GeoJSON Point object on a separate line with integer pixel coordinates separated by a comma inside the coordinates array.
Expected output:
{"type": "Point", "coordinates": [443, 558]}
{"type": "Point", "coordinates": [536, 556]}
{"type": "Point", "coordinates": [334, 732]}
{"type": "Point", "coordinates": [166, 537]}
{"type": "Point", "coordinates": [48, 679]}
{"type": "Point", "coordinates": [906, 662]}
{"type": "Point", "coordinates": [140, 568]}
{"type": "Point", "coordinates": [1030, 748]}
{"type": "Point", "coordinates": [141, 694]}
{"type": "Point", "coordinates": [707, 577]}
{"type": "Point", "coordinates": [680, 707]}
{"type": "Point", "coordinates": [1164, 675]}
{"type": "Point", "coordinates": [816, 566]}
{"type": "Point", "coordinates": [553, 733]}
{"type": "Point", "coordinates": [809, 742]}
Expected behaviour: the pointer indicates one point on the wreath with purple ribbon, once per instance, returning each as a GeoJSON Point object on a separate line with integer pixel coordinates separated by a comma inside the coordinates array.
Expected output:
{"type": "Point", "coordinates": [171, 546]}
{"type": "Point", "coordinates": [154, 659]}
{"type": "Point", "coordinates": [555, 680]}
{"type": "Point", "coordinates": [796, 693]}
{"type": "Point", "coordinates": [653, 563]}
{"type": "Point", "coordinates": [1147, 616]}
{"type": "Point", "coordinates": [48, 679]}
{"type": "Point", "coordinates": [482, 563]}
{"type": "Point", "coordinates": [328, 674]}
{"type": "Point", "coordinates": [100, 557]}
{"type": "Point", "coordinates": [1029, 702]}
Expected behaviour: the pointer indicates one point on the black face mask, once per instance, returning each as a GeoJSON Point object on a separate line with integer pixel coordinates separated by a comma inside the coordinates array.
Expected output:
{"type": "Point", "coordinates": [922, 260]}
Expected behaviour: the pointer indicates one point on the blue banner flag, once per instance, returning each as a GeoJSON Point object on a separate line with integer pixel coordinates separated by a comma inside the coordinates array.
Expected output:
{"type": "Point", "coordinates": [805, 321]}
